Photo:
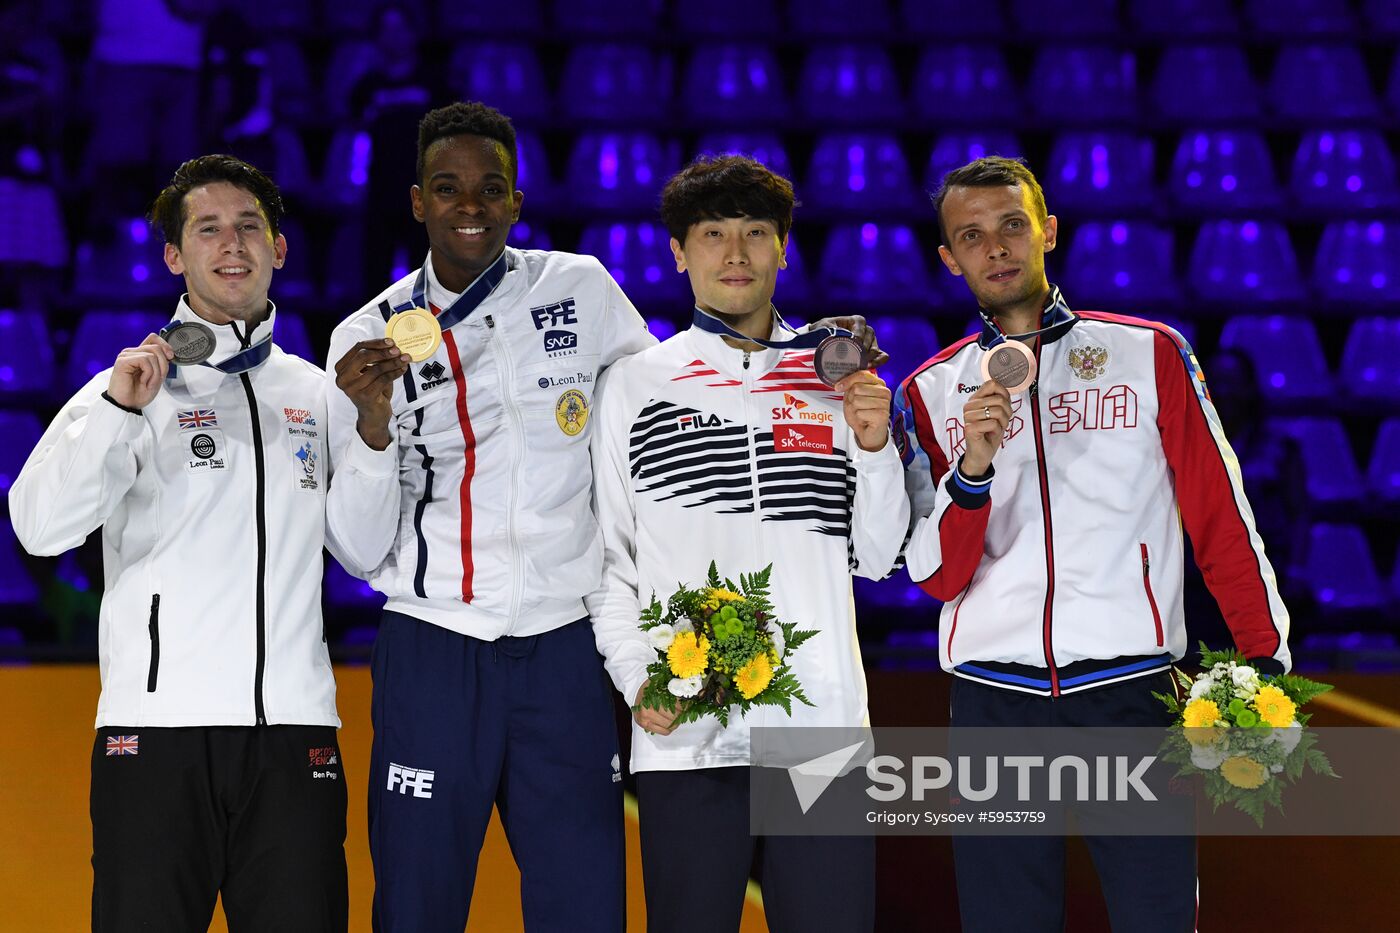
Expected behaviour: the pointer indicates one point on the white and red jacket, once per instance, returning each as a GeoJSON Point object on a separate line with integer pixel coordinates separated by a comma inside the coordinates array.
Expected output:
{"type": "Point", "coordinates": [477, 516]}
{"type": "Point", "coordinates": [706, 453]}
{"type": "Point", "coordinates": [1061, 570]}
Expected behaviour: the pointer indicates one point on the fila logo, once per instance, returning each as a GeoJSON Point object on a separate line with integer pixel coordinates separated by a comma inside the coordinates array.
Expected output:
{"type": "Point", "coordinates": [415, 779]}
{"type": "Point", "coordinates": [434, 374]}
{"type": "Point", "coordinates": [554, 315]}
{"type": "Point", "coordinates": [697, 420]}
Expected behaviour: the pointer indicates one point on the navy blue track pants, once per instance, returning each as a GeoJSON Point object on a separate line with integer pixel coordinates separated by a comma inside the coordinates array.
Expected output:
{"type": "Point", "coordinates": [524, 724]}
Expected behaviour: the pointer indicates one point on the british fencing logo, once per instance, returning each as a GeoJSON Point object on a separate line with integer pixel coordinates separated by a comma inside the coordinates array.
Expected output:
{"type": "Point", "coordinates": [320, 761]}
{"type": "Point", "coordinates": [197, 418]}
{"type": "Point", "coordinates": [1088, 363]}
{"type": "Point", "coordinates": [571, 411]}
{"type": "Point", "coordinates": [415, 781]}
{"type": "Point", "coordinates": [433, 374]}
{"type": "Point", "coordinates": [305, 440]}
{"type": "Point", "coordinates": [205, 451]}
{"type": "Point", "coordinates": [123, 745]}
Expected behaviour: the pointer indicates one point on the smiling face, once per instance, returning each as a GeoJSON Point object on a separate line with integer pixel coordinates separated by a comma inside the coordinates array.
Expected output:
{"type": "Point", "coordinates": [466, 202]}
{"type": "Point", "coordinates": [997, 242]}
{"type": "Point", "coordinates": [733, 264]}
{"type": "Point", "coordinates": [226, 253]}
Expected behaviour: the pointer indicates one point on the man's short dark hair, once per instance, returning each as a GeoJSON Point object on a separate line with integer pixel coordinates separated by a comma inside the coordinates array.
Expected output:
{"type": "Point", "coordinates": [713, 188]}
{"type": "Point", "coordinates": [168, 210]}
{"type": "Point", "coordinates": [466, 118]}
{"type": "Point", "coordinates": [990, 172]}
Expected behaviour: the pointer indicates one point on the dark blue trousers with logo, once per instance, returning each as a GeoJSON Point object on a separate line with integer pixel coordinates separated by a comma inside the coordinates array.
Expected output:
{"type": "Point", "coordinates": [1016, 884]}
{"type": "Point", "coordinates": [522, 724]}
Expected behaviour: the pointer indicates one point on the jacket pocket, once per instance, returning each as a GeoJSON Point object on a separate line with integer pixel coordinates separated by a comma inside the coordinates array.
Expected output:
{"type": "Point", "coordinates": [154, 628]}
{"type": "Point", "coordinates": [1151, 600]}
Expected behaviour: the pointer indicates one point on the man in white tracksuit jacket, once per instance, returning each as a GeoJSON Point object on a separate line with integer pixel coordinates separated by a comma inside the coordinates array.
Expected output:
{"type": "Point", "coordinates": [713, 447]}
{"type": "Point", "coordinates": [215, 768]}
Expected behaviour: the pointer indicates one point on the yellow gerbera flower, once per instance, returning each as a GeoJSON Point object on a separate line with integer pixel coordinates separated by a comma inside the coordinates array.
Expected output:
{"type": "Point", "coordinates": [688, 654]}
{"type": "Point", "coordinates": [1243, 772]}
{"type": "Point", "coordinates": [753, 678]}
{"type": "Point", "coordinates": [1200, 713]}
{"type": "Point", "coordinates": [1274, 707]}
{"type": "Point", "coordinates": [720, 595]}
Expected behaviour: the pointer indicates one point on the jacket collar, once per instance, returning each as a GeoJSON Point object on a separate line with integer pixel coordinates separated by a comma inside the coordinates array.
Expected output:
{"type": "Point", "coordinates": [1055, 321]}
{"type": "Point", "coordinates": [231, 341]}
{"type": "Point", "coordinates": [730, 360]}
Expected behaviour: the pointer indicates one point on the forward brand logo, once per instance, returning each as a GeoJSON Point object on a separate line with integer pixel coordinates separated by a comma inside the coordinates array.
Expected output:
{"type": "Point", "coordinates": [434, 374]}
{"type": "Point", "coordinates": [417, 780]}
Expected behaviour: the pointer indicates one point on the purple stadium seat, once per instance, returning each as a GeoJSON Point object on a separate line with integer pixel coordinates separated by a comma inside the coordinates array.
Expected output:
{"type": "Point", "coordinates": [346, 172]}
{"type": "Point", "coordinates": [1344, 170]}
{"type": "Point", "coordinates": [21, 430]}
{"type": "Point", "coordinates": [1244, 261]}
{"type": "Point", "coordinates": [101, 335]}
{"type": "Point", "coordinates": [1358, 262]}
{"type": "Point", "coordinates": [1115, 264]}
{"type": "Point", "coordinates": [969, 83]}
{"type": "Point", "coordinates": [293, 88]}
{"type": "Point", "coordinates": [662, 328]}
{"type": "Point", "coordinates": [1370, 367]}
{"type": "Point", "coordinates": [508, 75]}
{"type": "Point", "coordinates": [126, 263]}
{"type": "Point", "coordinates": [726, 19]}
{"type": "Point", "coordinates": [526, 235]}
{"type": "Point", "coordinates": [607, 17]}
{"type": "Point", "coordinates": [1197, 84]}
{"type": "Point", "coordinates": [1321, 82]}
{"type": "Point", "coordinates": [615, 83]}
{"type": "Point", "coordinates": [294, 285]}
{"type": "Point", "coordinates": [1382, 18]}
{"type": "Point", "coordinates": [849, 84]}
{"type": "Point", "coordinates": [1331, 476]}
{"type": "Point", "coordinates": [835, 19]}
{"type": "Point", "coordinates": [1286, 354]}
{"type": "Point", "coordinates": [16, 586]}
{"type": "Point", "coordinates": [794, 284]}
{"type": "Point", "coordinates": [280, 16]}
{"type": "Point", "coordinates": [532, 174]}
{"type": "Point", "coordinates": [1383, 473]}
{"type": "Point", "coordinates": [350, 61]}
{"type": "Point", "coordinates": [909, 340]}
{"type": "Point", "coordinates": [31, 225]}
{"type": "Point", "coordinates": [293, 338]}
{"type": "Point", "coordinates": [1285, 18]}
{"type": "Point", "coordinates": [1066, 19]}
{"type": "Point", "coordinates": [735, 85]}
{"type": "Point", "coordinates": [954, 150]}
{"type": "Point", "coordinates": [341, 590]}
{"type": "Point", "coordinates": [518, 18]}
{"type": "Point", "coordinates": [948, 19]}
{"type": "Point", "coordinates": [1100, 173]}
{"type": "Point", "coordinates": [1083, 84]}
{"type": "Point", "coordinates": [898, 592]}
{"type": "Point", "coordinates": [1162, 19]}
{"type": "Point", "coordinates": [639, 257]}
{"type": "Point", "coordinates": [874, 266]}
{"type": "Point", "coordinates": [26, 355]}
{"type": "Point", "coordinates": [619, 171]}
{"type": "Point", "coordinates": [1216, 170]}
{"type": "Point", "coordinates": [765, 147]}
{"type": "Point", "coordinates": [1339, 570]}
{"type": "Point", "coordinates": [856, 173]}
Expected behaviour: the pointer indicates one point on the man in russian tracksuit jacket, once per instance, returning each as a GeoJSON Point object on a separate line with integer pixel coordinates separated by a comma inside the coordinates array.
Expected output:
{"type": "Point", "coordinates": [1050, 525]}
{"type": "Point", "coordinates": [711, 447]}
{"type": "Point", "coordinates": [216, 769]}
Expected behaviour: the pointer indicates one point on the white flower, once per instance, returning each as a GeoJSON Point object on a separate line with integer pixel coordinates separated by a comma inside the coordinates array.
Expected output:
{"type": "Point", "coordinates": [1275, 769]}
{"type": "Point", "coordinates": [1221, 669]}
{"type": "Point", "coordinates": [1246, 680]}
{"type": "Point", "coordinates": [779, 644]}
{"type": "Point", "coordinates": [1289, 737]}
{"type": "Point", "coordinates": [1202, 686]}
{"type": "Point", "coordinates": [684, 625]}
{"type": "Point", "coordinates": [661, 636]}
{"type": "Point", "coordinates": [1208, 757]}
{"type": "Point", "coordinates": [685, 686]}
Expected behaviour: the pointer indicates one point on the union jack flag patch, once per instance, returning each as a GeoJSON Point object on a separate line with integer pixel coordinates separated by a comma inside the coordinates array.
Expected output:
{"type": "Point", "coordinates": [121, 745]}
{"type": "Point", "coordinates": [197, 418]}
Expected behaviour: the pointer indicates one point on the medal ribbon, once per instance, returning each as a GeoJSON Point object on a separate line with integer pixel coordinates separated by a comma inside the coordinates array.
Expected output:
{"type": "Point", "coordinates": [240, 362]}
{"type": "Point", "coordinates": [1056, 313]}
{"type": "Point", "coordinates": [466, 303]}
{"type": "Point", "coordinates": [813, 338]}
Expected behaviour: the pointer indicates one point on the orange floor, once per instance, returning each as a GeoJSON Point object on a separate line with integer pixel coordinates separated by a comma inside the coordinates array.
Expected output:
{"type": "Point", "coordinates": [45, 876]}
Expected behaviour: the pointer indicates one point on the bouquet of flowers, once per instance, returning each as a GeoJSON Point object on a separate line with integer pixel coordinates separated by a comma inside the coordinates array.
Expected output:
{"type": "Point", "coordinates": [1243, 732]}
{"type": "Point", "coordinates": [720, 646]}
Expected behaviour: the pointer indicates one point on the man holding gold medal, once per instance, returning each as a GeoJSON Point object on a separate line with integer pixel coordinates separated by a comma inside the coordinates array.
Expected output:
{"type": "Point", "coordinates": [200, 454]}
{"type": "Point", "coordinates": [1052, 460]}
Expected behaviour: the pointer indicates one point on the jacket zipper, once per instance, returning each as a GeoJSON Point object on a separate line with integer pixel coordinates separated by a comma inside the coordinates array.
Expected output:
{"type": "Point", "coordinates": [753, 461]}
{"type": "Point", "coordinates": [506, 378]}
{"type": "Point", "coordinates": [1047, 642]}
{"type": "Point", "coordinates": [260, 714]}
{"type": "Point", "coordinates": [154, 628]}
{"type": "Point", "coordinates": [1151, 600]}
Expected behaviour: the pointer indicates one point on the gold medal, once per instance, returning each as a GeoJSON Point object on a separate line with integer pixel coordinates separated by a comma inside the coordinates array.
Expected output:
{"type": "Point", "coordinates": [416, 332]}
